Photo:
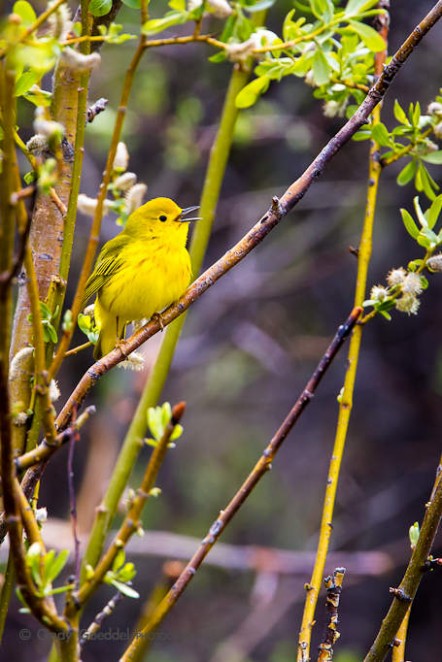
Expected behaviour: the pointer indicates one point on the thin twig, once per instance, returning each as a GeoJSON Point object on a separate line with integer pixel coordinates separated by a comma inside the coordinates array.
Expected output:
{"type": "Point", "coordinates": [246, 489]}
{"type": "Point", "coordinates": [78, 349]}
{"type": "Point", "coordinates": [44, 450]}
{"type": "Point", "coordinates": [73, 438]}
{"type": "Point", "coordinates": [96, 624]}
{"type": "Point", "coordinates": [131, 521]}
{"type": "Point", "coordinates": [41, 19]}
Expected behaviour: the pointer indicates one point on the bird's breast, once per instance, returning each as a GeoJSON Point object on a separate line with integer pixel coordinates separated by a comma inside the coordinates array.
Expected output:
{"type": "Point", "coordinates": [152, 277]}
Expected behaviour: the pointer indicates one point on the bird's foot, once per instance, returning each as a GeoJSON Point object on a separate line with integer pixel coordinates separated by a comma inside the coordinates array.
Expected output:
{"type": "Point", "coordinates": [157, 317]}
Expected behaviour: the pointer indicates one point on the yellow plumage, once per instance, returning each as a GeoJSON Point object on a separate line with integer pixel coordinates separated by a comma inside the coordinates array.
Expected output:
{"type": "Point", "coordinates": [141, 271]}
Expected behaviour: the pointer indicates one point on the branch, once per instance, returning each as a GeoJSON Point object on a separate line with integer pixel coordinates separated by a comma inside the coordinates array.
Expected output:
{"type": "Point", "coordinates": [44, 451]}
{"type": "Point", "coordinates": [263, 465]}
{"type": "Point", "coordinates": [131, 521]}
{"type": "Point", "coordinates": [333, 584]}
{"type": "Point", "coordinates": [406, 592]}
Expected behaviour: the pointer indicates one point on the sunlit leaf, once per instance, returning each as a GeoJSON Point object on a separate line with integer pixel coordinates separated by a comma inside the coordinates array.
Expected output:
{"type": "Point", "coordinates": [369, 36]}
{"type": "Point", "coordinates": [400, 113]}
{"type": "Point", "coordinates": [409, 223]}
{"type": "Point", "coordinates": [406, 174]}
{"type": "Point", "coordinates": [100, 7]}
{"type": "Point", "coordinates": [26, 12]}
{"type": "Point", "coordinates": [251, 92]}
{"type": "Point", "coordinates": [433, 157]}
{"type": "Point", "coordinates": [321, 69]}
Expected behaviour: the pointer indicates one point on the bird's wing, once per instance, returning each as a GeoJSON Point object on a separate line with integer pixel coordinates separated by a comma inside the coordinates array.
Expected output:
{"type": "Point", "coordinates": [108, 263]}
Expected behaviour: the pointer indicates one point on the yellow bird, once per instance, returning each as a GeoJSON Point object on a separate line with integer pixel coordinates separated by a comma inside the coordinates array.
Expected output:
{"type": "Point", "coordinates": [141, 271]}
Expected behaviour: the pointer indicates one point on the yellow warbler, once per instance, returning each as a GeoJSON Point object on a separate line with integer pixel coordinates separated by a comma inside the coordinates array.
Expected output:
{"type": "Point", "coordinates": [141, 271]}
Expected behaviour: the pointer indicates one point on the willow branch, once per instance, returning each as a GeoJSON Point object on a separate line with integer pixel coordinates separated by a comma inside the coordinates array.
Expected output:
{"type": "Point", "coordinates": [263, 465]}
{"type": "Point", "coordinates": [406, 592]}
{"type": "Point", "coordinates": [94, 234]}
{"type": "Point", "coordinates": [346, 401]}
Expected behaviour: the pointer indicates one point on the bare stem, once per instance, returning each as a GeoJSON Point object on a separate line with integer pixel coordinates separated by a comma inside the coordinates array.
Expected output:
{"type": "Point", "coordinates": [333, 585]}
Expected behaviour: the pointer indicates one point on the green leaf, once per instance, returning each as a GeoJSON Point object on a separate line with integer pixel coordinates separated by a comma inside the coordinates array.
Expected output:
{"type": "Point", "coordinates": [132, 4]}
{"type": "Point", "coordinates": [119, 560]}
{"type": "Point", "coordinates": [321, 68]}
{"type": "Point", "coordinates": [362, 134]}
{"type": "Point", "coordinates": [127, 573]}
{"type": "Point", "coordinates": [54, 568]}
{"type": "Point", "coordinates": [26, 12]}
{"type": "Point", "coordinates": [380, 134]}
{"type": "Point", "coordinates": [155, 25]}
{"type": "Point", "coordinates": [154, 421]}
{"type": "Point", "coordinates": [251, 92]}
{"type": "Point", "coordinates": [100, 7]}
{"type": "Point", "coordinates": [322, 9]}
{"type": "Point", "coordinates": [260, 6]}
{"type": "Point", "coordinates": [179, 5]}
{"type": "Point", "coordinates": [25, 82]}
{"type": "Point", "coordinates": [357, 6]}
{"type": "Point", "coordinates": [166, 414]}
{"type": "Point", "coordinates": [126, 590]}
{"type": "Point", "coordinates": [409, 223]}
{"type": "Point", "coordinates": [433, 157]}
{"type": "Point", "coordinates": [425, 182]}
{"type": "Point", "coordinates": [414, 532]}
{"type": "Point", "coordinates": [85, 324]}
{"type": "Point", "coordinates": [416, 114]}
{"type": "Point", "coordinates": [30, 177]}
{"type": "Point", "coordinates": [406, 174]}
{"type": "Point", "coordinates": [369, 36]}
{"type": "Point", "coordinates": [400, 113]}
{"type": "Point", "coordinates": [432, 214]}
{"type": "Point", "coordinates": [419, 213]}
{"type": "Point", "coordinates": [177, 432]}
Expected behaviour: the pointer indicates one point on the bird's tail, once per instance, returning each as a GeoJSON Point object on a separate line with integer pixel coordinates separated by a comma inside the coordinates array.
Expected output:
{"type": "Point", "coordinates": [111, 331]}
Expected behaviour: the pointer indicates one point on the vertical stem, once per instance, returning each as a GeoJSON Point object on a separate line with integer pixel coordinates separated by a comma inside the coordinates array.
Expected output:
{"type": "Point", "coordinates": [346, 400]}
{"type": "Point", "coordinates": [406, 592]}
{"type": "Point", "coordinates": [398, 651]}
{"type": "Point", "coordinates": [94, 234]}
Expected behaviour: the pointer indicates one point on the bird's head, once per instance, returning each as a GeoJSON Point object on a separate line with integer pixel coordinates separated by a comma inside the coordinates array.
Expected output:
{"type": "Point", "coordinates": [161, 217]}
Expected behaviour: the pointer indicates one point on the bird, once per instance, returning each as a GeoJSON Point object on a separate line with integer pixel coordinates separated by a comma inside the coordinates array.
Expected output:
{"type": "Point", "coordinates": [141, 271]}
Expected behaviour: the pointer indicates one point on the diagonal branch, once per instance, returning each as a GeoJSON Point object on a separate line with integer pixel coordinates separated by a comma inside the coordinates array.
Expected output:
{"type": "Point", "coordinates": [263, 465]}
{"type": "Point", "coordinates": [271, 218]}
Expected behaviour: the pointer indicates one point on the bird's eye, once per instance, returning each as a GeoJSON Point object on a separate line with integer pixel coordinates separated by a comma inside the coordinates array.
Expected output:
{"type": "Point", "coordinates": [163, 217]}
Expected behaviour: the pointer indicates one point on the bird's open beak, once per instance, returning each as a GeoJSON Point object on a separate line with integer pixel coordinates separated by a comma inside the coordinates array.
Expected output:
{"type": "Point", "coordinates": [189, 210]}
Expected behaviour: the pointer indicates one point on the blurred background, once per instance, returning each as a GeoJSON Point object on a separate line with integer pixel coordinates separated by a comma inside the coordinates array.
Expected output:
{"type": "Point", "coordinates": [247, 349]}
